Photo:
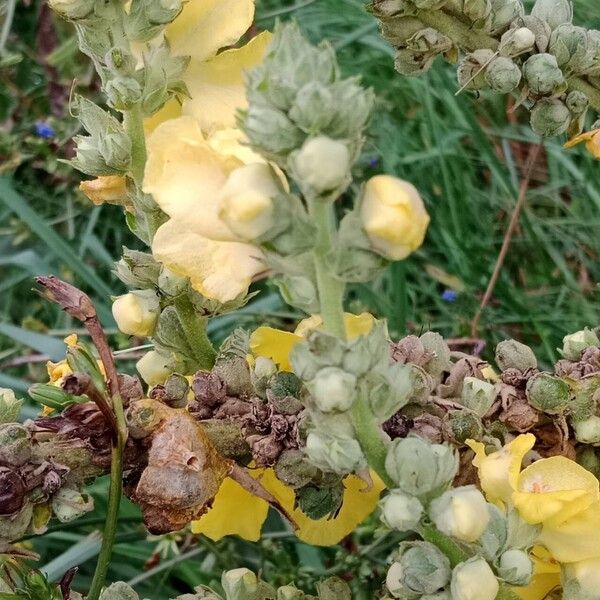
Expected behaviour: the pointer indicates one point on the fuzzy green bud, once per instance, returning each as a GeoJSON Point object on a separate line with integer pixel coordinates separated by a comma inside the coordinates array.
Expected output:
{"type": "Point", "coordinates": [577, 102]}
{"type": "Point", "coordinates": [550, 117]}
{"type": "Point", "coordinates": [333, 389]}
{"type": "Point", "coordinates": [575, 343]}
{"type": "Point", "coordinates": [69, 504]}
{"type": "Point", "coordinates": [548, 393]}
{"type": "Point", "coordinates": [176, 391]}
{"type": "Point", "coordinates": [72, 9]}
{"type": "Point", "coordinates": [440, 361]}
{"type": "Point", "coordinates": [543, 75]}
{"type": "Point", "coordinates": [587, 431]}
{"type": "Point", "coordinates": [511, 354]}
{"type": "Point", "coordinates": [419, 467]}
{"type": "Point", "coordinates": [119, 591]}
{"type": "Point", "coordinates": [294, 470]}
{"type": "Point", "coordinates": [478, 395]}
{"type": "Point", "coordinates": [15, 444]}
{"type": "Point", "coordinates": [240, 584]}
{"type": "Point", "coordinates": [569, 44]}
{"type": "Point", "coordinates": [419, 568]}
{"type": "Point", "coordinates": [516, 41]}
{"type": "Point", "coordinates": [270, 130]}
{"type": "Point", "coordinates": [334, 453]}
{"type": "Point", "coordinates": [290, 592]}
{"type": "Point", "coordinates": [153, 367]}
{"type": "Point", "coordinates": [515, 567]}
{"type": "Point", "coordinates": [10, 407]}
{"type": "Point", "coordinates": [400, 511]}
{"type": "Point", "coordinates": [463, 425]}
{"type": "Point", "coordinates": [471, 70]}
{"type": "Point", "coordinates": [503, 75]}
{"type": "Point", "coordinates": [553, 12]}
{"type": "Point", "coordinates": [503, 13]}
{"type": "Point", "coordinates": [122, 92]}
{"type": "Point", "coordinates": [474, 580]}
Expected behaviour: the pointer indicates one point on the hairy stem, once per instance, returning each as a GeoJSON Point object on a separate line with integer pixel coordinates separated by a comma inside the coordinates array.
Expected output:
{"type": "Point", "coordinates": [194, 329]}
{"type": "Point", "coordinates": [368, 434]}
{"type": "Point", "coordinates": [134, 125]}
{"type": "Point", "coordinates": [330, 290]}
{"type": "Point", "coordinates": [446, 544]}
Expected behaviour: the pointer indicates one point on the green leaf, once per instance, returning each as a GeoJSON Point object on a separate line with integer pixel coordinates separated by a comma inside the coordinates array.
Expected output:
{"type": "Point", "coordinates": [45, 344]}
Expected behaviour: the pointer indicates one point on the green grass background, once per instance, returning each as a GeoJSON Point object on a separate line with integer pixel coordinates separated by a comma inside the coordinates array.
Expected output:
{"type": "Point", "coordinates": [461, 152]}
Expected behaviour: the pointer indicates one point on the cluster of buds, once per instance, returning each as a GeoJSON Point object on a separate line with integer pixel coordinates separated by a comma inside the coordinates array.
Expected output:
{"type": "Point", "coordinates": [550, 65]}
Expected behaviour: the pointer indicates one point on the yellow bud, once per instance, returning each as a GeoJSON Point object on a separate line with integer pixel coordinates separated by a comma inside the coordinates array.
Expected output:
{"type": "Point", "coordinates": [136, 312]}
{"type": "Point", "coordinates": [153, 368]}
{"type": "Point", "coordinates": [109, 189]}
{"type": "Point", "coordinates": [393, 216]}
{"type": "Point", "coordinates": [247, 200]}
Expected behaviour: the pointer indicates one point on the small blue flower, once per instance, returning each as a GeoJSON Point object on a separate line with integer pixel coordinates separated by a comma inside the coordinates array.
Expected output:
{"type": "Point", "coordinates": [449, 296]}
{"type": "Point", "coordinates": [373, 161]}
{"type": "Point", "coordinates": [44, 130]}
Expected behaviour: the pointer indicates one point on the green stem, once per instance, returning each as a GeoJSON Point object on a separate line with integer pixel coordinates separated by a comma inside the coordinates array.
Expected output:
{"type": "Point", "coordinates": [330, 290]}
{"type": "Point", "coordinates": [368, 434]}
{"type": "Point", "coordinates": [194, 329]}
{"type": "Point", "coordinates": [472, 39]}
{"type": "Point", "coordinates": [446, 544]}
{"type": "Point", "coordinates": [114, 501]}
{"type": "Point", "coordinates": [8, 21]}
{"type": "Point", "coordinates": [133, 120]}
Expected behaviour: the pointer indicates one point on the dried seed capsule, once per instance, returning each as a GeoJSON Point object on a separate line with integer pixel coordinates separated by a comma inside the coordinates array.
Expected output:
{"type": "Point", "coordinates": [503, 75]}
{"type": "Point", "coordinates": [543, 75]}
{"type": "Point", "coordinates": [550, 117]}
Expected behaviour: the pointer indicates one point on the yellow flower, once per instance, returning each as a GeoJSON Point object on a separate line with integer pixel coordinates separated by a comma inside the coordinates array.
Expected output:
{"type": "Point", "coordinates": [499, 471]}
{"type": "Point", "coordinates": [186, 176]}
{"type": "Point", "coordinates": [393, 216]}
{"type": "Point", "coordinates": [226, 518]}
{"type": "Point", "coordinates": [591, 139]}
{"type": "Point", "coordinates": [109, 189]}
{"type": "Point", "coordinates": [277, 344]}
{"type": "Point", "coordinates": [546, 576]}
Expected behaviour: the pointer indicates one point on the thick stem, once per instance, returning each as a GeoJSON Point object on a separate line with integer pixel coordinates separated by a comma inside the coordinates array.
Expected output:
{"type": "Point", "coordinates": [446, 544]}
{"type": "Point", "coordinates": [133, 120]}
{"type": "Point", "coordinates": [194, 329]}
{"type": "Point", "coordinates": [330, 290]}
{"type": "Point", "coordinates": [368, 434]}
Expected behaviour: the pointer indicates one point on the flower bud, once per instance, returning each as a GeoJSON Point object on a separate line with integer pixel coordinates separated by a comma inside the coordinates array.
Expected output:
{"type": "Point", "coordinates": [411, 62]}
{"type": "Point", "coordinates": [298, 291]}
{"type": "Point", "coordinates": [471, 70]}
{"type": "Point", "coordinates": [553, 12]}
{"type": "Point", "coordinates": [153, 367]}
{"type": "Point", "coordinates": [511, 354]}
{"type": "Point", "coordinates": [420, 568]}
{"type": "Point", "coordinates": [170, 283]}
{"type": "Point", "coordinates": [122, 92]}
{"type": "Point", "coordinates": [271, 130]}
{"type": "Point", "coordinates": [393, 216]}
{"type": "Point", "coordinates": [239, 584]}
{"type": "Point", "coordinates": [581, 580]}
{"type": "Point", "coordinates": [503, 13]}
{"type": "Point", "coordinates": [69, 504]}
{"type": "Point", "coordinates": [461, 513]}
{"type": "Point", "coordinates": [247, 200]}
{"type": "Point", "coordinates": [503, 75]}
{"type": "Point", "coordinates": [400, 511]}
{"type": "Point", "coordinates": [589, 459]}
{"type": "Point", "coordinates": [10, 407]}
{"type": "Point", "coordinates": [322, 164]}
{"type": "Point", "coordinates": [587, 431]}
{"type": "Point", "coordinates": [136, 312]}
{"type": "Point", "coordinates": [419, 467]}
{"type": "Point", "coordinates": [313, 108]}
{"type": "Point", "coordinates": [334, 453]}
{"type": "Point", "coordinates": [118, 591]}
{"type": "Point", "coordinates": [289, 592]}
{"type": "Point", "coordinates": [577, 102]}
{"type": "Point", "coordinates": [515, 567]}
{"type": "Point", "coordinates": [462, 425]}
{"type": "Point", "coordinates": [474, 580]}
{"type": "Point", "coordinates": [142, 418]}
{"type": "Point", "coordinates": [543, 75]}
{"type": "Point", "coordinates": [575, 343]}
{"type": "Point", "coordinates": [550, 117]}
{"type": "Point", "coordinates": [478, 395]}
{"type": "Point", "coordinates": [72, 9]}
{"type": "Point", "coordinates": [334, 389]}
{"type": "Point", "coordinates": [516, 41]}
{"type": "Point", "coordinates": [435, 345]}
{"type": "Point", "coordinates": [15, 444]}
{"type": "Point", "coordinates": [548, 393]}
{"type": "Point", "coordinates": [569, 44]}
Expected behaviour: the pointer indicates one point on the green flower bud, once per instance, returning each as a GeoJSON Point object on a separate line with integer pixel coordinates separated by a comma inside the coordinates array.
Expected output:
{"type": "Point", "coordinates": [136, 313]}
{"type": "Point", "coordinates": [10, 407]}
{"type": "Point", "coordinates": [333, 389]}
{"type": "Point", "coordinates": [69, 504]}
{"type": "Point", "coordinates": [294, 470]}
{"type": "Point", "coordinates": [478, 11]}
{"type": "Point", "coordinates": [577, 102]}
{"type": "Point", "coordinates": [240, 584]}
{"type": "Point", "coordinates": [440, 361]}
{"type": "Point", "coordinates": [122, 92]}
{"type": "Point", "coordinates": [419, 467]}
{"type": "Point", "coordinates": [322, 165]}
{"type": "Point", "coordinates": [319, 502]}
{"type": "Point", "coordinates": [550, 117]}
{"type": "Point", "coordinates": [119, 591]}
{"type": "Point", "coordinates": [503, 75]}
{"type": "Point", "coordinates": [515, 567]}
{"type": "Point", "coordinates": [575, 343]}
{"type": "Point", "coordinates": [549, 394]}
{"type": "Point", "coordinates": [419, 568]}
{"type": "Point", "coordinates": [569, 44]}
{"type": "Point", "coordinates": [170, 283]}
{"type": "Point", "coordinates": [72, 9]}
{"type": "Point", "coordinates": [511, 354]}
{"type": "Point", "coordinates": [115, 149]}
{"type": "Point", "coordinates": [270, 130]}
{"type": "Point", "coordinates": [463, 425]}
{"type": "Point", "coordinates": [334, 453]}
{"type": "Point", "coordinates": [503, 13]}
{"type": "Point", "coordinates": [289, 592]}
{"type": "Point", "coordinates": [334, 589]}
{"type": "Point", "coordinates": [587, 431]}
{"type": "Point", "coordinates": [471, 70]}
{"type": "Point", "coordinates": [543, 75]}
{"type": "Point", "coordinates": [137, 269]}
{"type": "Point", "coordinates": [176, 391]}
{"type": "Point", "coordinates": [553, 12]}
{"type": "Point", "coordinates": [581, 580]}
{"type": "Point", "coordinates": [540, 29]}
{"type": "Point", "coordinates": [461, 513]}
{"type": "Point", "coordinates": [15, 444]}
{"type": "Point", "coordinates": [516, 41]}
{"type": "Point", "coordinates": [354, 106]}
{"type": "Point", "coordinates": [478, 395]}
{"type": "Point", "coordinates": [474, 579]}
{"type": "Point", "coordinates": [400, 511]}
{"type": "Point", "coordinates": [589, 458]}
{"type": "Point", "coordinates": [313, 108]}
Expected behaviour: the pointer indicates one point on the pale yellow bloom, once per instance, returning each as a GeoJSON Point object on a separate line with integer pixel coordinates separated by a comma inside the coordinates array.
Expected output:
{"type": "Point", "coordinates": [109, 189]}
{"type": "Point", "coordinates": [136, 313]}
{"type": "Point", "coordinates": [393, 216]}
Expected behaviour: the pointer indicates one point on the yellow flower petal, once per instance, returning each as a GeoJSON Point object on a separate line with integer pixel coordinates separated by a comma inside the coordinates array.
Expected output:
{"type": "Point", "coordinates": [231, 143]}
{"type": "Point", "coordinates": [235, 511]}
{"type": "Point", "coordinates": [592, 140]}
{"type": "Point", "coordinates": [554, 490]}
{"type": "Point", "coordinates": [356, 325]}
{"type": "Point", "coordinates": [357, 505]}
{"type": "Point", "coordinates": [218, 270]}
{"type": "Point", "coordinates": [546, 576]}
{"type": "Point", "coordinates": [58, 370]}
{"type": "Point", "coordinates": [275, 344]}
{"type": "Point", "coordinates": [499, 471]}
{"type": "Point", "coordinates": [171, 110]}
{"type": "Point", "coordinates": [217, 86]}
{"type": "Point", "coordinates": [205, 26]}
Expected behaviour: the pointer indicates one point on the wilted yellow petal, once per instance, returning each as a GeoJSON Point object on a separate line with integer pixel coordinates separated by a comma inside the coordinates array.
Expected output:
{"type": "Point", "coordinates": [57, 370]}
{"type": "Point", "coordinates": [274, 344]}
{"type": "Point", "coordinates": [107, 189]}
{"type": "Point", "coordinates": [217, 87]}
{"type": "Point", "coordinates": [205, 26]}
{"type": "Point", "coordinates": [218, 270]}
{"type": "Point", "coordinates": [235, 511]}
